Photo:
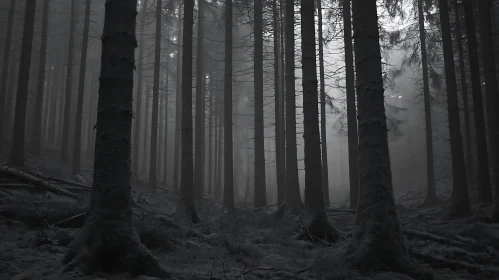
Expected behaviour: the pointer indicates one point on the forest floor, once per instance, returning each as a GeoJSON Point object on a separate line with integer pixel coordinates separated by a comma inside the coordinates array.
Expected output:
{"type": "Point", "coordinates": [247, 244]}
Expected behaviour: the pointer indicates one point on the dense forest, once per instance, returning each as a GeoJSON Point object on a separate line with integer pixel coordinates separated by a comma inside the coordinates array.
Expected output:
{"type": "Point", "coordinates": [265, 139]}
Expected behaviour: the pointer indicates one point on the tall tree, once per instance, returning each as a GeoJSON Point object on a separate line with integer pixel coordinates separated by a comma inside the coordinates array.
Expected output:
{"type": "Point", "coordinates": [279, 122]}
{"type": "Point", "coordinates": [99, 245]}
{"type": "Point", "coordinates": [37, 116]}
{"type": "Point", "coordinates": [167, 95]}
{"type": "Point", "coordinates": [293, 197]}
{"type": "Point", "coordinates": [377, 241]}
{"type": "Point", "coordinates": [315, 208]}
{"type": "Point", "coordinates": [431, 195]}
{"type": "Point", "coordinates": [483, 179]}
{"type": "Point", "coordinates": [155, 100]}
{"type": "Point", "coordinates": [260, 195]}
{"type": "Point", "coordinates": [228, 149]}
{"type": "Point", "coordinates": [186, 202]}
{"type": "Point", "coordinates": [178, 110]}
{"type": "Point", "coordinates": [17, 152]}
{"type": "Point", "coordinates": [5, 65]}
{"type": "Point", "coordinates": [138, 92]}
{"type": "Point", "coordinates": [464, 91]}
{"type": "Point", "coordinates": [325, 173]}
{"type": "Point", "coordinates": [353, 139]}
{"type": "Point", "coordinates": [489, 56]}
{"type": "Point", "coordinates": [69, 86]}
{"type": "Point", "coordinates": [200, 108]}
{"type": "Point", "coordinates": [460, 204]}
{"type": "Point", "coordinates": [81, 89]}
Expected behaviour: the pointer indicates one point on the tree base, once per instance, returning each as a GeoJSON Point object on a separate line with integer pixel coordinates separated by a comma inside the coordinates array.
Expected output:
{"type": "Point", "coordinates": [187, 212]}
{"type": "Point", "coordinates": [495, 213]}
{"type": "Point", "coordinates": [378, 245]}
{"type": "Point", "coordinates": [431, 200]}
{"type": "Point", "coordinates": [286, 210]}
{"type": "Point", "coordinates": [319, 228]}
{"type": "Point", "coordinates": [112, 246]}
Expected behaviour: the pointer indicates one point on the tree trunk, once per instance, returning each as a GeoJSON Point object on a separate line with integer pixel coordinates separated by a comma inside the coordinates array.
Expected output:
{"type": "Point", "coordinates": [464, 90]}
{"type": "Point", "coordinates": [186, 204]}
{"type": "Point", "coordinates": [167, 95]}
{"type": "Point", "coordinates": [460, 204]}
{"type": "Point", "coordinates": [138, 98]}
{"type": "Point", "coordinates": [483, 182]}
{"type": "Point", "coordinates": [293, 197]}
{"type": "Point", "coordinates": [18, 134]}
{"type": "Point", "coordinates": [108, 241]}
{"type": "Point", "coordinates": [5, 66]}
{"type": "Point", "coordinates": [145, 123]}
{"type": "Point", "coordinates": [210, 135]}
{"type": "Point", "coordinates": [325, 175]}
{"type": "Point", "coordinates": [488, 54]}
{"type": "Point", "coordinates": [217, 140]}
{"type": "Point", "coordinates": [155, 101]}
{"type": "Point", "coordinates": [178, 110]}
{"type": "Point", "coordinates": [353, 139]}
{"type": "Point", "coordinates": [376, 219]}
{"type": "Point", "coordinates": [279, 141]}
{"type": "Point", "coordinates": [200, 108]}
{"type": "Point", "coordinates": [69, 87]}
{"type": "Point", "coordinates": [37, 117]}
{"type": "Point", "coordinates": [228, 151]}
{"type": "Point", "coordinates": [260, 198]}
{"type": "Point", "coordinates": [431, 195]}
{"type": "Point", "coordinates": [315, 208]}
{"type": "Point", "coordinates": [81, 89]}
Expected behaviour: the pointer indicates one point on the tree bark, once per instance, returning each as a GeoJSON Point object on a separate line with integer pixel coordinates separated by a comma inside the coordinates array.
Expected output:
{"type": "Point", "coordinates": [186, 203]}
{"type": "Point", "coordinates": [460, 204]}
{"type": "Point", "coordinates": [488, 56]}
{"type": "Point", "coordinates": [315, 208]}
{"type": "Point", "coordinates": [37, 117]}
{"type": "Point", "coordinates": [81, 89]}
{"type": "Point", "coordinates": [353, 139]}
{"type": "Point", "coordinates": [376, 219]}
{"type": "Point", "coordinates": [5, 66]}
{"type": "Point", "coordinates": [431, 195]}
{"type": "Point", "coordinates": [69, 87]}
{"type": "Point", "coordinates": [325, 173]}
{"type": "Point", "coordinates": [293, 197]}
{"type": "Point", "coordinates": [108, 240]}
{"type": "Point", "coordinates": [464, 90]}
{"type": "Point", "coordinates": [178, 111]}
{"type": "Point", "coordinates": [200, 108]}
{"type": "Point", "coordinates": [483, 179]}
{"type": "Point", "coordinates": [279, 123]}
{"type": "Point", "coordinates": [210, 135]}
{"type": "Point", "coordinates": [167, 95]}
{"type": "Point", "coordinates": [260, 195]}
{"type": "Point", "coordinates": [138, 98]}
{"type": "Point", "coordinates": [155, 101]}
{"type": "Point", "coordinates": [18, 134]}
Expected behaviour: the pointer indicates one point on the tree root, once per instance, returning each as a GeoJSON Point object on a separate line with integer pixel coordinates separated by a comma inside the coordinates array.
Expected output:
{"type": "Point", "coordinates": [109, 244]}
{"type": "Point", "coordinates": [433, 237]}
{"type": "Point", "coordinates": [319, 229]}
{"type": "Point", "coordinates": [439, 262]}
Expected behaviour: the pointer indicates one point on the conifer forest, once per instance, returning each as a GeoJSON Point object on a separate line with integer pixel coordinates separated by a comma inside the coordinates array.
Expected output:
{"type": "Point", "coordinates": [249, 139]}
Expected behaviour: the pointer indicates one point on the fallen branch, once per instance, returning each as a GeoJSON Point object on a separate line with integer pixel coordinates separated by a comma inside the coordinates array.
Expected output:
{"type": "Point", "coordinates": [29, 178]}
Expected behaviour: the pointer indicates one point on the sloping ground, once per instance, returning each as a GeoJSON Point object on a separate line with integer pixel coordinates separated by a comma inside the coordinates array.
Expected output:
{"type": "Point", "coordinates": [244, 245]}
